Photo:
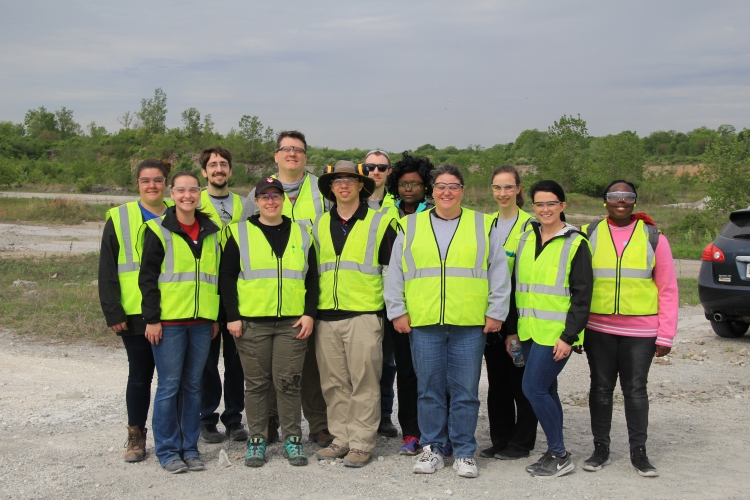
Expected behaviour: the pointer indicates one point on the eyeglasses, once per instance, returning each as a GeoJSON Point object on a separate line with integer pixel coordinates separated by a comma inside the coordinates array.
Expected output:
{"type": "Point", "coordinates": [224, 211]}
{"type": "Point", "coordinates": [370, 167]}
{"type": "Point", "coordinates": [616, 196]}
{"type": "Point", "coordinates": [340, 181]}
{"type": "Point", "coordinates": [291, 149]}
{"type": "Point", "coordinates": [504, 188]}
{"type": "Point", "coordinates": [442, 186]}
{"type": "Point", "coordinates": [217, 164]}
{"type": "Point", "coordinates": [159, 181]}
{"type": "Point", "coordinates": [266, 197]}
{"type": "Point", "coordinates": [546, 204]}
{"type": "Point", "coordinates": [183, 189]}
{"type": "Point", "coordinates": [410, 185]}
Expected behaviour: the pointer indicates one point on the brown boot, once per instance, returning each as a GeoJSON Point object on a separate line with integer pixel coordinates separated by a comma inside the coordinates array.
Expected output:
{"type": "Point", "coordinates": [332, 451]}
{"type": "Point", "coordinates": [136, 444]}
{"type": "Point", "coordinates": [322, 438]}
{"type": "Point", "coordinates": [357, 458]}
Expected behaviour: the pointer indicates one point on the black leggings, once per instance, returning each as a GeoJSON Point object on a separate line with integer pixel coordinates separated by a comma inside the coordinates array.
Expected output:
{"type": "Point", "coordinates": [631, 357]}
{"type": "Point", "coordinates": [140, 375]}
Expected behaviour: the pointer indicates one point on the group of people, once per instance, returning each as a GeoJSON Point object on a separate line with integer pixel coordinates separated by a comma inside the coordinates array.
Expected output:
{"type": "Point", "coordinates": [325, 290]}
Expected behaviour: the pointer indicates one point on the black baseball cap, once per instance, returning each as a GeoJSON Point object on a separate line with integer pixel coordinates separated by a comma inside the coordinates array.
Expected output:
{"type": "Point", "coordinates": [266, 183]}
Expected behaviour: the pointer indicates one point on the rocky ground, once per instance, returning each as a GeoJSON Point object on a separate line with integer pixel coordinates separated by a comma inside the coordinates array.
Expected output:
{"type": "Point", "coordinates": [62, 429]}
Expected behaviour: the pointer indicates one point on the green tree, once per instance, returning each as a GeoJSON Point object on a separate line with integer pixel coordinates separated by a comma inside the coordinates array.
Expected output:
{"type": "Point", "coordinates": [726, 172]}
{"type": "Point", "coordinates": [563, 158]}
{"type": "Point", "coordinates": [41, 123]}
{"type": "Point", "coordinates": [127, 120]}
{"type": "Point", "coordinates": [153, 113]}
{"type": "Point", "coordinates": [65, 123]}
{"type": "Point", "coordinates": [191, 118]}
{"type": "Point", "coordinates": [528, 142]}
{"type": "Point", "coordinates": [620, 157]}
{"type": "Point", "coordinates": [251, 130]}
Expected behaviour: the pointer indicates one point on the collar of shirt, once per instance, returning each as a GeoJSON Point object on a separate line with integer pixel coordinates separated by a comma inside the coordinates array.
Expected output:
{"type": "Point", "coordinates": [360, 214]}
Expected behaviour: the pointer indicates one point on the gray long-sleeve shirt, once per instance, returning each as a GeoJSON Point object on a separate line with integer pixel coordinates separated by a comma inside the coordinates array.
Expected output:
{"type": "Point", "coordinates": [497, 273]}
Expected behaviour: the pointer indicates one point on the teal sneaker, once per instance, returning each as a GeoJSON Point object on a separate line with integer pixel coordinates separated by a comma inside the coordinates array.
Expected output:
{"type": "Point", "coordinates": [294, 452]}
{"type": "Point", "coordinates": [256, 453]}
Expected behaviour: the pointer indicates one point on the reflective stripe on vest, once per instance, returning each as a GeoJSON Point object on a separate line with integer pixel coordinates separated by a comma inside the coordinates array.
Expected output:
{"type": "Point", "coordinates": [209, 209]}
{"type": "Point", "coordinates": [623, 285]}
{"type": "Point", "coordinates": [309, 204]}
{"type": "Point", "coordinates": [511, 241]}
{"type": "Point", "coordinates": [543, 298]}
{"type": "Point", "coordinates": [353, 280]}
{"type": "Point", "coordinates": [453, 291]}
{"type": "Point", "coordinates": [268, 285]}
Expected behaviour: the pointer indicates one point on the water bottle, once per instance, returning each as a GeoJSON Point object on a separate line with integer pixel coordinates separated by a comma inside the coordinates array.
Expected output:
{"type": "Point", "coordinates": [515, 349]}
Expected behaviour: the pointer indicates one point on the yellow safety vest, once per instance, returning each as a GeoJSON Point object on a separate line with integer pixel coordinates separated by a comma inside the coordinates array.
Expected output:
{"type": "Point", "coordinates": [189, 286]}
{"type": "Point", "coordinates": [542, 287]}
{"type": "Point", "coordinates": [269, 285]}
{"type": "Point", "coordinates": [351, 281]}
{"type": "Point", "coordinates": [623, 285]}
{"type": "Point", "coordinates": [453, 291]}
{"type": "Point", "coordinates": [127, 220]}
{"type": "Point", "coordinates": [209, 209]}
{"type": "Point", "coordinates": [309, 204]}
{"type": "Point", "coordinates": [511, 241]}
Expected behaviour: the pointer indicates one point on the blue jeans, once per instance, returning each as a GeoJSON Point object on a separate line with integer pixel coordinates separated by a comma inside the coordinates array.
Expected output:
{"type": "Point", "coordinates": [540, 388]}
{"type": "Point", "coordinates": [180, 357]}
{"type": "Point", "coordinates": [448, 362]}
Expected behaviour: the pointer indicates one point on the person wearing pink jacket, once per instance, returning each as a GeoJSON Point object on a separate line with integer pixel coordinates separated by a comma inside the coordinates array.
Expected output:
{"type": "Point", "coordinates": [633, 318]}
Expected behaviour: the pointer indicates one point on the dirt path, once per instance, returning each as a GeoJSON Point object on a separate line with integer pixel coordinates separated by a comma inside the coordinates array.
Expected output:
{"type": "Point", "coordinates": [62, 426]}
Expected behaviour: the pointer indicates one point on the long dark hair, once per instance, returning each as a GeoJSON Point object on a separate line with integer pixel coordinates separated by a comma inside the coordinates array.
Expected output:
{"type": "Point", "coordinates": [510, 169]}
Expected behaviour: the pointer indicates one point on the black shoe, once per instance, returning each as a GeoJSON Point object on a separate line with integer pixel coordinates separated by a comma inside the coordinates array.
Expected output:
{"type": "Point", "coordinates": [273, 430]}
{"type": "Point", "coordinates": [532, 467]}
{"type": "Point", "coordinates": [598, 459]}
{"type": "Point", "coordinates": [640, 461]}
{"type": "Point", "coordinates": [210, 434]}
{"type": "Point", "coordinates": [387, 429]}
{"type": "Point", "coordinates": [554, 465]}
{"type": "Point", "coordinates": [512, 453]}
{"type": "Point", "coordinates": [194, 464]}
{"type": "Point", "coordinates": [236, 431]}
{"type": "Point", "coordinates": [489, 452]}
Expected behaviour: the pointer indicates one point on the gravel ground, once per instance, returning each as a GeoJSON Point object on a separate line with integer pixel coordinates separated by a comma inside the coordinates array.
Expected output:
{"type": "Point", "coordinates": [62, 429]}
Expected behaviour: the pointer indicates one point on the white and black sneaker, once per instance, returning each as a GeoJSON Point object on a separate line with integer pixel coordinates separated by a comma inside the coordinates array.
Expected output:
{"type": "Point", "coordinates": [466, 467]}
{"type": "Point", "coordinates": [532, 467]}
{"type": "Point", "coordinates": [428, 462]}
{"type": "Point", "coordinates": [640, 461]}
{"type": "Point", "coordinates": [598, 459]}
{"type": "Point", "coordinates": [554, 465]}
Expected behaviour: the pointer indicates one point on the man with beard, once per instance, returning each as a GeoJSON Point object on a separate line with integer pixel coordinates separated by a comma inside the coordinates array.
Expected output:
{"type": "Point", "coordinates": [224, 208]}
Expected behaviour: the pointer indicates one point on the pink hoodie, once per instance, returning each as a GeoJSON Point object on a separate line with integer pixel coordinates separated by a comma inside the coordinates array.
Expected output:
{"type": "Point", "coordinates": [663, 325]}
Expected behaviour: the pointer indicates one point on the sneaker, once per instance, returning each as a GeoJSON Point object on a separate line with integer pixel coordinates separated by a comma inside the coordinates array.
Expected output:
{"type": "Point", "coordinates": [466, 467]}
{"type": "Point", "coordinates": [512, 453]}
{"type": "Point", "coordinates": [554, 465]}
{"type": "Point", "coordinates": [448, 450]}
{"type": "Point", "coordinates": [294, 452]}
{"type": "Point", "coordinates": [532, 467]}
{"type": "Point", "coordinates": [194, 464]}
{"type": "Point", "coordinates": [322, 438]}
{"type": "Point", "coordinates": [489, 452]}
{"type": "Point", "coordinates": [357, 458]}
{"type": "Point", "coordinates": [273, 430]}
{"type": "Point", "coordinates": [236, 431]}
{"type": "Point", "coordinates": [428, 462]}
{"type": "Point", "coordinates": [256, 453]}
{"type": "Point", "coordinates": [176, 467]}
{"type": "Point", "coordinates": [210, 434]}
{"type": "Point", "coordinates": [387, 429]}
{"type": "Point", "coordinates": [410, 446]}
{"type": "Point", "coordinates": [640, 461]}
{"type": "Point", "coordinates": [332, 451]}
{"type": "Point", "coordinates": [598, 459]}
{"type": "Point", "coordinates": [135, 446]}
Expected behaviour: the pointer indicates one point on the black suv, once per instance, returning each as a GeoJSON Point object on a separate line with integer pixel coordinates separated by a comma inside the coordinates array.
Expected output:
{"type": "Point", "coordinates": [724, 279]}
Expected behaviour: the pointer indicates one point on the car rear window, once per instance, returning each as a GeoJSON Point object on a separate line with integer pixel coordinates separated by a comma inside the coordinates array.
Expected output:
{"type": "Point", "coordinates": [738, 227]}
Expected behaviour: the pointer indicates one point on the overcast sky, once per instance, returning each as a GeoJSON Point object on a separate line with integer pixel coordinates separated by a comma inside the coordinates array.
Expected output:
{"type": "Point", "coordinates": [385, 74]}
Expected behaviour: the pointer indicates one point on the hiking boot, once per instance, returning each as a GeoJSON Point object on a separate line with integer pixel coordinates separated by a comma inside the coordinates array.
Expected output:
{"type": "Point", "coordinates": [554, 465]}
{"type": "Point", "coordinates": [210, 434]}
{"type": "Point", "coordinates": [136, 444]}
{"type": "Point", "coordinates": [640, 461]}
{"type": "Point", "coordinates": [532, 467]}
{"type": "Point", "coordinates": [322, 438]}
{"type": "Point", "coordinates": [512, 453]}
{"type": "Point", "coordinates": [357, 458]}
{"type": "Point", "coordinates": [176, 467]}
{"type": "Point", "coordinates": [294, 452]}
{"type": "Point", "coordinates": [410, 446]}
{"type": "Point", "coordinates": [598, 459]}
{"type": "Point", "coordinates": [256, 453]}
{"type": "Point", "coordinates": [273, 430]}
{"type": "Point", "coordinates": [194, 464]}
{"type": "Point", "coordinates": [428, 462]}
{"type": "Point", "coordinates": [236, 431]}
{"type": "Point", "coordinates": [387, 429]}
{"type": "Point", "coordinates": [466, 467]}
{"type": "Point", "coordinates": [489, 452]}
{"type": "Point", "coordinates": [448, 450]}
{"type": "Point", "coordinates": [332, 451]}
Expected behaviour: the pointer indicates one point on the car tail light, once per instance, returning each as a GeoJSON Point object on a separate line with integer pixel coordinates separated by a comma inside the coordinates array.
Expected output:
{"type": "Point", "coordinates": [712, 253]}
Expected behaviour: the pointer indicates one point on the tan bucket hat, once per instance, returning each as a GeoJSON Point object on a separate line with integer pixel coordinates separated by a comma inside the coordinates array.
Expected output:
{"type": "Point", "coordinates": [348, 168]}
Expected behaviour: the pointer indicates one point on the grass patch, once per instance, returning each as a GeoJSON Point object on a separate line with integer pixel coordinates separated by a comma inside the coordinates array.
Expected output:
{"type": "Point", "coordinates": [50, 211]}
{"type": "Point", "coordinates": [688, 290]}
{"type": "Point", "coordinates": [51, 308]}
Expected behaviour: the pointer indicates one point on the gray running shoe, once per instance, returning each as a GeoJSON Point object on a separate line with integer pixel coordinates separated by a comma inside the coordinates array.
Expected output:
{"type": "Point", "coordinates": [176, 467]}
{"type": "Point", "coordinates": [554, 465]}
{"type": "Point", "coordinates": [532, 467]}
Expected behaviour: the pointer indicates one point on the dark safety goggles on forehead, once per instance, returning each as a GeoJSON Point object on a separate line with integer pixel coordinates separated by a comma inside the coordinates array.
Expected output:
{"type": "Point", "coordinates": [370, 167]}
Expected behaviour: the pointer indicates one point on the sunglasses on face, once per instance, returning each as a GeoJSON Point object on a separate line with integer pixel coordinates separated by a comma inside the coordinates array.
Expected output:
{"type": "Point", "coordinates": [370, 167]}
